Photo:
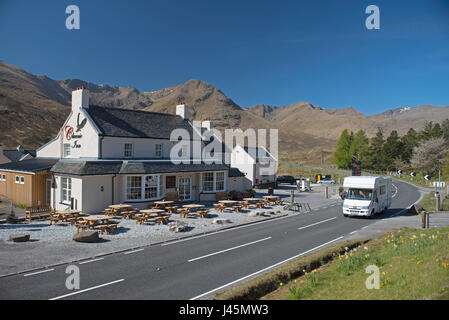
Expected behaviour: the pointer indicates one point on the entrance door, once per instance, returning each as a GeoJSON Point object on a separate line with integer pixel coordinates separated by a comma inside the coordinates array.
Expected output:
{"type": "Point", "coordinates": [185, 188]}
{"type": "Point", "coordinates": [48, 192]}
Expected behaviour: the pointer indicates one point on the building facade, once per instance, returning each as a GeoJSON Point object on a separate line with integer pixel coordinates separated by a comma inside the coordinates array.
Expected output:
{"type": "Point", "coordinates": [111, 155]}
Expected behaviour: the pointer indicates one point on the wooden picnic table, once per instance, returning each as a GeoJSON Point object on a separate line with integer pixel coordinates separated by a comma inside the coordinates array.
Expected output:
{"type": "Point", "coordinates": [119, 207]}
{"type": "Point", "coordinates": [100, 222]}
{"type": "Point", "coordinates": [228, 202]}
{"type": "Point", "coordinates": [150, 214]}
{"type": "Point", "coordinates": [193, 207]}
{"type": "Point", "coordinates": [256, 201]}
{"type": "Point", "coordinates": [162, 204]}
{"type": "Point", "coordinates": [64, 216]}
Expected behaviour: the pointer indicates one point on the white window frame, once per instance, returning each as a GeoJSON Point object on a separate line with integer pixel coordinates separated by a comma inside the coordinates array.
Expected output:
{"type": "Point", "coordinates": [214, 182]}
{"type": "Point", "coordinates": [158, 185]}
{"type": "Point", "coordinates": [65, 149]}
{"type": "Point", "coordinates": [18, 179]}
{"type": "Point", "coordinates": [156, 150]}
{"type": "Point", "coordinates": [125, 150]}
{"type": "Point", "coordinates": [67, 190]}
{"type": "Point", "coordinates": [3, 177]}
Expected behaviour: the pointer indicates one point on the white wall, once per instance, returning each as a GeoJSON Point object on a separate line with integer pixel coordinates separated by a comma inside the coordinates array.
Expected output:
{"type": "Point", "coordinates": [51, 149]}
{"type": "Point", "coordinates": [76, 193]}
{"type": "Point", "coordinates": [113, 147]}
{"type": "Point", "coordinates": [88, 139]}
{"type": "Point", "coordinates": [240, 184]}
{"type": "Point", "coordinates": [94, 199]}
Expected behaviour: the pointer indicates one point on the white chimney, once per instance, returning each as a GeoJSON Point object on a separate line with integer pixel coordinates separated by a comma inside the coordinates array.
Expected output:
{"type": "Point", "coordinates": [80, 99]}
{"type": "Point", "coordinates": [182, 111]}
{"type": "Point", "coordinates": [207, 124]}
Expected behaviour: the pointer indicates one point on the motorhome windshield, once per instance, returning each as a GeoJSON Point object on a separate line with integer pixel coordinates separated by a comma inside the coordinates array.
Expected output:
{"type": "Point", "coordinates": [359, 194]}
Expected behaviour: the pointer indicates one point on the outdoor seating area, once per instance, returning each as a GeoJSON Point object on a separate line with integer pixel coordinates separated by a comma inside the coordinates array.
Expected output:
{"type": "Point", "coordinates": [158, 213]}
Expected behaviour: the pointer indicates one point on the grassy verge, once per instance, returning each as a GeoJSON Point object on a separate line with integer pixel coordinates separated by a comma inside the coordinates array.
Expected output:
{"type": "Point", "coordinates": [428, 203]}
{"type": "Point", "coordinates": [413, 264]}
{"type": "Point", "coordinates": [272, 280]}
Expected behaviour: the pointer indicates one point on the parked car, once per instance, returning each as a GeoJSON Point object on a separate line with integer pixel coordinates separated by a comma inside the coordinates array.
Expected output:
{"type": "Point", "coordinates": [286, 179]}
{"type": "Point", "coordinates": [327, 181]}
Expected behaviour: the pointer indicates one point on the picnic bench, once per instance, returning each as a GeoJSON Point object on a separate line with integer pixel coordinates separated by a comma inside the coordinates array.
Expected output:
{"type": "Point", "coordinates": [37, 212]}
{"type": "Point", "coordinates": [203, 213]}
{"type": "Point", "coordinates": [163, 218]}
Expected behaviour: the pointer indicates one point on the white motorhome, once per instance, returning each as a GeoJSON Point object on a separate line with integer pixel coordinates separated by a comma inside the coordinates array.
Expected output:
{"type": "Point", "coordinates": [366, 195]}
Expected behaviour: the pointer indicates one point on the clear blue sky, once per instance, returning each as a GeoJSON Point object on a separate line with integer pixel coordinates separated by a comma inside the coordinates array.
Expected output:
{"type": "Point", "coordinates": [272, 52]}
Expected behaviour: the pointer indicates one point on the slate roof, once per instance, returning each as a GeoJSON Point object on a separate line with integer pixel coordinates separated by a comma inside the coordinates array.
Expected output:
{"type": "Point", "coordinates": [32, 165]}
{"type": "Point", "coordinates": [98, 167]}
{"type": "Point", "coordinates": [116, 122]}
{"type": "Point", "coordinates": [235, 172]}
{"type": "Point", "coordinates": [258, 154]}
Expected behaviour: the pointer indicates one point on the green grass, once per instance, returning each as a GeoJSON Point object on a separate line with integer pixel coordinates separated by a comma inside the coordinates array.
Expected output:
{"type": "Point", "coordinates": [414, 264]}
{"type": "Point", "coordinates": [428, 203]}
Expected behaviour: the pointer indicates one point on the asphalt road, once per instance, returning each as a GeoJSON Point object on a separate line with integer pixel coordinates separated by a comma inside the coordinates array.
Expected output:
{"type": "Point", "coordinates": [198, 267]}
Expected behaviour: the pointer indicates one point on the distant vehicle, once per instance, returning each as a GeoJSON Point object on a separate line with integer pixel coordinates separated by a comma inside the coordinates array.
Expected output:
{"type": "Point", "coordinates": [366, 195]}
{"type": "Point", "coordinates": [286, 179]}
{"type": "Point", "coordinates": [327, 181]}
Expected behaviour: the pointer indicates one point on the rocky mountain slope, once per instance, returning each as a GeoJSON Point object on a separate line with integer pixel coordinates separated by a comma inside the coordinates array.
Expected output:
{"type": "Point", "coordinates": [33, 107]}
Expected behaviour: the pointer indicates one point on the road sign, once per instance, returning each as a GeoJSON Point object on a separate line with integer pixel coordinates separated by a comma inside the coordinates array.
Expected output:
{"type": "Point", "coordinates": [356, 167]}
{"type": "Point", "coordinates": [439, 184]}
{"type": "Point", "coordinates": [427, 177]}
{"type": "Point", "coordinates": [412, 174]}
{"type": "Point", "coordinates": [399, 171]}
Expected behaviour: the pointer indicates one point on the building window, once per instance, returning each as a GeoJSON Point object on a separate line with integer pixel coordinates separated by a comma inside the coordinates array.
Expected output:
{"type": "Point", "coordinates": [3, 177]}
{"type": "Point", "coordinates": [66, 189]}
{"type": "Point", "coordinates": [151, 187]}
{"type": "Point", "coordinates": [143, 187]}
{"type": "Point", "coordinates": [170, 182]}
{"type": "Point", "coordinates": [158, 150]}
{"type": "Point", "coordinates": [17, 179]}
{"type": "Point", "coordinates": [134, 188]}
{"type": "Point", "coordinates": [219, 181]}
{"type": "Point", "coordinates": [213, 181]}
{"type": "Point", "coordinates": [128, 150]}
{"type": "Point", "coordinates": [22, 180]}
{"type": "Point", "coordinates": [66, 150]}
{"type": "Point", "coordinates": [208, 181]}
{"type": "Point", "coordinates": [184, 149]}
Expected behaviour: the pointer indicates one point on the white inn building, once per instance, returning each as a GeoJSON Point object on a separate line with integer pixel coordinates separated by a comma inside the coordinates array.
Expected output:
{"type": "Point", "coordinates": [109, 155]}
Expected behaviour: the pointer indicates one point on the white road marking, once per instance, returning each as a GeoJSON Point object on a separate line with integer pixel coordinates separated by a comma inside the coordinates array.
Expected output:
{"type": "Point", "coordinates": [395, 192]}
{"type": "Point", "coordinates": [133, 251]}
{"type": "Point", "coordinates": [225, 250]}
{"type": "Point", "coordinates": [88, 289]}
{"type": "Point", "coordinates": [226, 230]}
{"type": "Point", "coordinates": [314, 224]}
{"type": "Point", "coordinates": [93, 260]}
{"type": "Point", "coordinates": [265, 269]}
{"type": "Point", "coordinates": [37, 272]}
{"type": "Point", "coordinates": [353, 231]}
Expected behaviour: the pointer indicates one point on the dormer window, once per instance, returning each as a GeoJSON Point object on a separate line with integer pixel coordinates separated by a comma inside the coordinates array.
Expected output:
{"type": "Point", "coordinates": [158, 150]}
{"type": "Point", "coordinates": [128, 150]}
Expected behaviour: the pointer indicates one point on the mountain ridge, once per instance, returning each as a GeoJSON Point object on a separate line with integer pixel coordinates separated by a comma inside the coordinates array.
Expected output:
{"type": "Point", "coordinates": [35, 106]}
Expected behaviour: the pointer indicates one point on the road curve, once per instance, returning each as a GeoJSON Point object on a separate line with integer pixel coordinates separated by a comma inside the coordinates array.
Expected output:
{"type": "Point", "coordinates": [198, 267]}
